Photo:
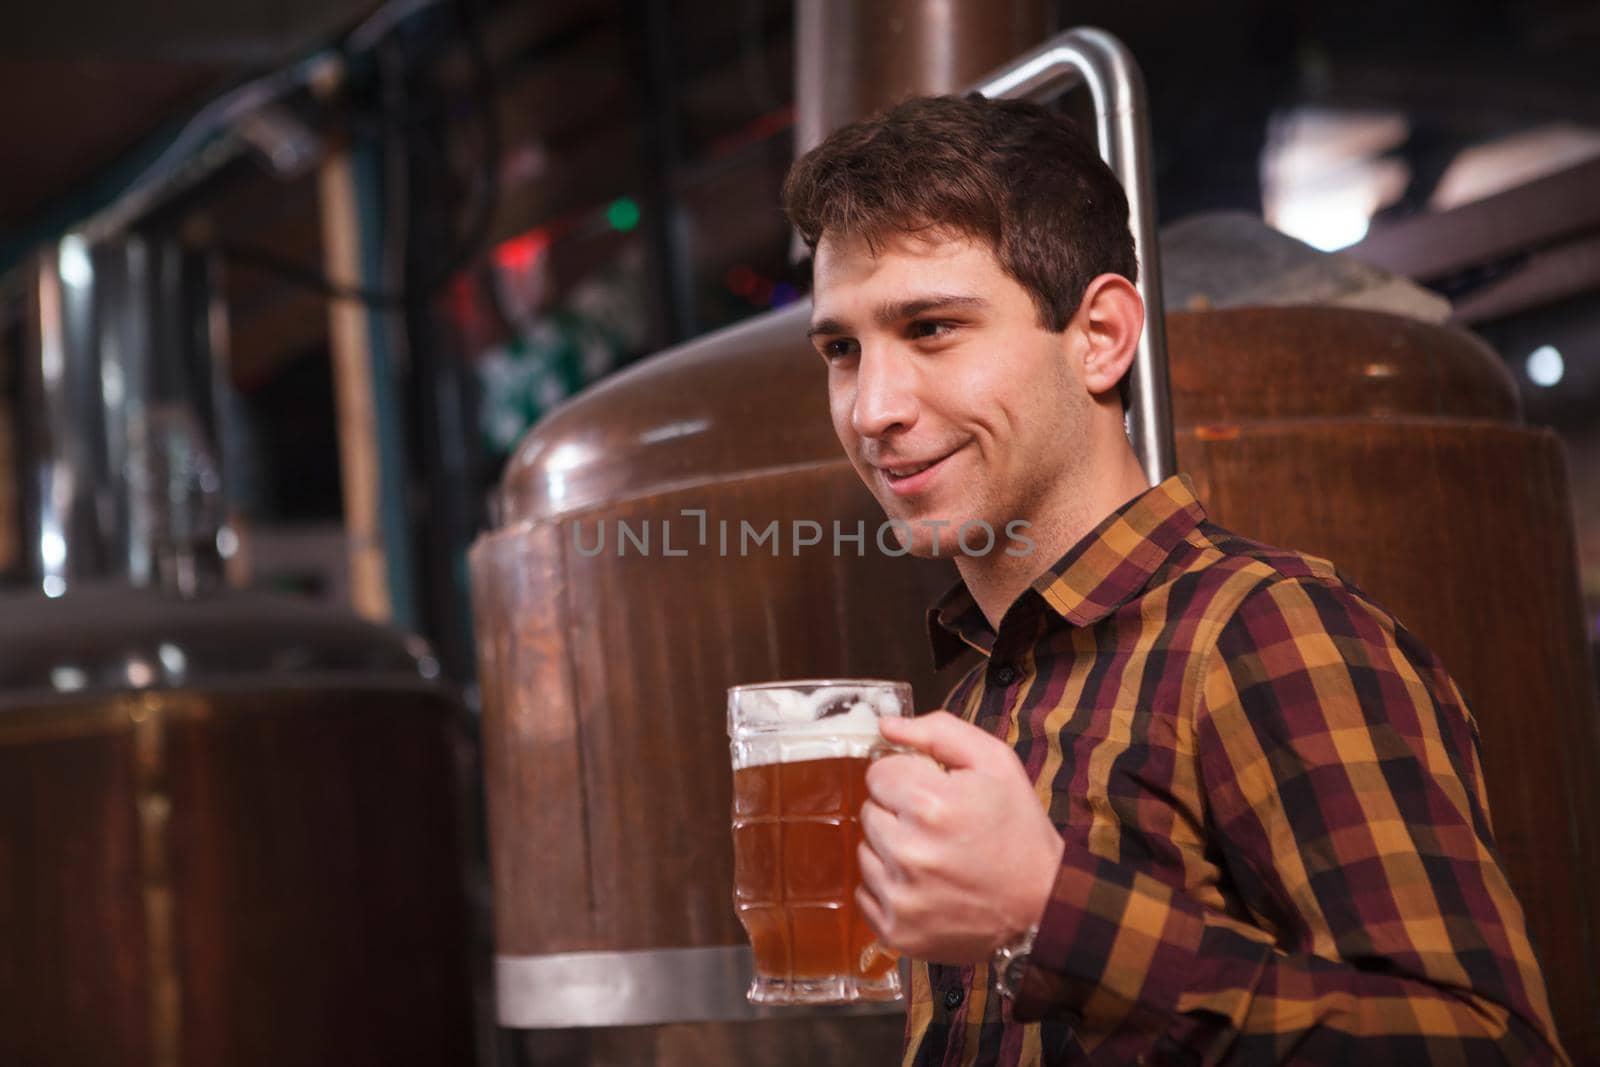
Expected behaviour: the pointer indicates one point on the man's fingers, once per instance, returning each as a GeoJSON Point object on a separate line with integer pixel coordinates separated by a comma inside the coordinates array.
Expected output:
{"type": "Point", "coordinates": [953, 742]}
{"type": "Point", "coordinates": [874, 873]}
{"type": "Point", "coordinates": [905, 783]}
{"type": "Point", "coordinates": [877, 850]}
{"type": "Point", "coordinates": [873, 913]}
{"type": "Point", "coordinates": [873, 890]}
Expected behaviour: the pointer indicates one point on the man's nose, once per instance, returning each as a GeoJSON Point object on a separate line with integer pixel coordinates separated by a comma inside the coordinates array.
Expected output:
{"type": "Point", "coordinates": [886, 397]}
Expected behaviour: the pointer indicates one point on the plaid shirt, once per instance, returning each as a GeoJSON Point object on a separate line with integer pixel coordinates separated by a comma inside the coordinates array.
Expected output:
{"type": "Point", "coordinates": [1278, 844]}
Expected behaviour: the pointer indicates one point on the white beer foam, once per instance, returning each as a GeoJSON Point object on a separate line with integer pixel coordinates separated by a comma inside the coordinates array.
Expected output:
{"type": "Point", "coordinates": [792, 725]}
{"type": "Point", "coordinates": [763, 750]}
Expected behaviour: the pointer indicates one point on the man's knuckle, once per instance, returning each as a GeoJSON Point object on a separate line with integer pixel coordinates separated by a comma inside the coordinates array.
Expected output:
{"type": "Point", "coordinates": [918, 861]}
{"type": "Point", "coordinates": [933, 811]}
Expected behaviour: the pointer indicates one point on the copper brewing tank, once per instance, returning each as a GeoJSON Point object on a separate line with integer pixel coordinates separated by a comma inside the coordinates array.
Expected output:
{"type": "Point", "coordinates": [1391, 446]}
{"type": "Point", "coordinates": [231, 836]}
{"type": "Point", "coordinates": [230, 823]}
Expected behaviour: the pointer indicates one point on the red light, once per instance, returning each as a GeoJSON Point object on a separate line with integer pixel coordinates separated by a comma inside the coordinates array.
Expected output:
{"type": "Point", "coordinates": [521, 252]}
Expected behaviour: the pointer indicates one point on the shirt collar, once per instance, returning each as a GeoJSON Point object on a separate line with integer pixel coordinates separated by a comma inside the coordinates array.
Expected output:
{"type": "Point", "coordinates": [1107, 567]}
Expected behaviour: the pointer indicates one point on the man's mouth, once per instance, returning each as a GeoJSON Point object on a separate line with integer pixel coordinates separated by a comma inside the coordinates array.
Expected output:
{"type": "Point", "coordinates": [908, 477]}
{"type": "Point", "coordinates": [907, 470]}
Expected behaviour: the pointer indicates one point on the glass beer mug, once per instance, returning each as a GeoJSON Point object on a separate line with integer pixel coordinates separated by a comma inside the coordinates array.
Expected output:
{"type": "Point", "coordinates": [800, 755]}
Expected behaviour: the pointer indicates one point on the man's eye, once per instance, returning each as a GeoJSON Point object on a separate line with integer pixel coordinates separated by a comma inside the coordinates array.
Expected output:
{"type": "Point", "coordinates": [925, 328]}
{"type": "Point", "coordinates": [843, 348]}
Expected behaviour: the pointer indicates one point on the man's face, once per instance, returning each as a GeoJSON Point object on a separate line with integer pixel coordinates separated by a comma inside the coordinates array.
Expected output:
{"type": "Point", "coordinates": [953, 403]}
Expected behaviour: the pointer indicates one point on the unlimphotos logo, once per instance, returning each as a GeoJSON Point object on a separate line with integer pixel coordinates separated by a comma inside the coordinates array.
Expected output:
{"type": "Point", "coordinates": [892, 537]}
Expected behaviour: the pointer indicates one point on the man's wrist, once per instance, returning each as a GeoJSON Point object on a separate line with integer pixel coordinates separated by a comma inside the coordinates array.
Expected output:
{"type": "Point", "coordinates": [1034, 889]}
{"type": "Point", "coordinates": [1010, 960]}
{"type": "Point", "coordinates": [1010, 957]}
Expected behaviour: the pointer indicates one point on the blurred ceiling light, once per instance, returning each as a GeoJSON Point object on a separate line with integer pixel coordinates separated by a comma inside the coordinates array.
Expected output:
{"type": "Point", "coordinates": [68, 679]}
{"type": "Point", "coordinates": [1321, 178]}
{"type": "Point", "coordinates": [1304, 142]}
{"type": "Point", "coordinates": [75, 268]}
{"type": "Point", "coordinates": [1545, 366]}
{"type": "Point", "coordinates": [1328, 221]}
{"type": "Point", "coordinates": [1513, 160]}
{"type": "Point", "coordinates": [52, 550]}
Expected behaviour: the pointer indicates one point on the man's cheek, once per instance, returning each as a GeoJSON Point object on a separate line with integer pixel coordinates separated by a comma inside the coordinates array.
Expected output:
{"type": "Point", "coordinates": [842, 428]}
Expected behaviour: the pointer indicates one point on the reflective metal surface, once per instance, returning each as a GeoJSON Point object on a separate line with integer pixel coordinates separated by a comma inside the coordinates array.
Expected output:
{"type": "Point", "coordinates": [640, 988]}
{"type": "Point", "coordinates": [1302, 362]}
{"type": "Point", "coordinates": [245, 874]}
{"type": "Point", "coordinates": [118, 427]}
{"type": "Point", "coordinates": [691, 415]}
{"type": "Point", "coordinates": [106, 637]}
{"type": "Point", "coordinates": [1106, 69]}
{"type": "Point", "coordinates": [61, 388]}
{"type": "Point", "coordinates": [672, 419]}
{"type": "Point", "coordinates": [853, 58]}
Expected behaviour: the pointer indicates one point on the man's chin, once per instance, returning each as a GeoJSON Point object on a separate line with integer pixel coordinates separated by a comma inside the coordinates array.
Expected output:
{"type": "Point", "coordinates": [926, 536]}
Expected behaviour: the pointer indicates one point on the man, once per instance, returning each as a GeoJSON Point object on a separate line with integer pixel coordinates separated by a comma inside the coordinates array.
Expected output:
{"type": "Point", "coordinates": [1200, 800]}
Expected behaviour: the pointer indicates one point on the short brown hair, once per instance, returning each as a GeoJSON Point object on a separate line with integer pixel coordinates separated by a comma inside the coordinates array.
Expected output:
{"type": "Point", "coordinates": [1015, 174]}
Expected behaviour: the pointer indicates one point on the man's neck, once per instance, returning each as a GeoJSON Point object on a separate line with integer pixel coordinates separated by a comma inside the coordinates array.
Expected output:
{"type": "Point", "coordinates": [998, 579]}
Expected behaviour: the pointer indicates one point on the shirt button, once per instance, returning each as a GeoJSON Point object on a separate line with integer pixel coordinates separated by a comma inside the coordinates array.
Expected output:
{"type": "Point", "coordinates": [1005, 674]}
{"type": "Point", "coordinates": [952, 998]}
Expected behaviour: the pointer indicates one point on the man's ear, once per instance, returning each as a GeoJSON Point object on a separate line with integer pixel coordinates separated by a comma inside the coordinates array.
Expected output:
{"type": "Point", "coordinates": [1111, 317]}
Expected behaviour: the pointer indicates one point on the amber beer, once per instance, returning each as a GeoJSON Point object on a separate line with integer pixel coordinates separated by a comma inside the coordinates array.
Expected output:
{"type": "Point", "coordinates": [800, 756]}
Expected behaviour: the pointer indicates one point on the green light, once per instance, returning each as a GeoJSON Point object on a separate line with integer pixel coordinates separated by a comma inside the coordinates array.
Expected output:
{"type": "Point", "coordinates": [623, 214]}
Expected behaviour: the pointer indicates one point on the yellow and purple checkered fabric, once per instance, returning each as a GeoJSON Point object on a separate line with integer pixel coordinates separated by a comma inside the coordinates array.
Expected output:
{"type": "Point", "coordinates": [1278, 844]}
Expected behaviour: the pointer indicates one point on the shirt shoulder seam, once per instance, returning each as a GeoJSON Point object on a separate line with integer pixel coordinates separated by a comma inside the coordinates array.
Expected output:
{"type": "Point", "coordinates": [1266, 576]}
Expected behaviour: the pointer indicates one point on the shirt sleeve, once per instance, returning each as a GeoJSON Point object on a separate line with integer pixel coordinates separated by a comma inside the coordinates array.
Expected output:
{"type": "Point", "coordinates": [1343, 785]}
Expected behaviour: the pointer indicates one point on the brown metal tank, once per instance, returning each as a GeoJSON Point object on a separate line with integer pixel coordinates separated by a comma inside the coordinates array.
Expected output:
{"type": "Point", "coordinates": [1389, 445]}
{"type": "Point", "coordinates": [228, 834]}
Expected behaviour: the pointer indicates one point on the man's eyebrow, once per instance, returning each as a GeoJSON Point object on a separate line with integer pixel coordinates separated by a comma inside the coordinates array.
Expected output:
{"type": "Point", "coordinates": [909, 309]}
{"type": "Point", "coordinates": [905, 309]}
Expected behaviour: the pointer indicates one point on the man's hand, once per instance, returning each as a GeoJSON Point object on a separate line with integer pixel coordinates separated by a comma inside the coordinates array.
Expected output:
{"type": "Point", "coordinates": [957, 861]}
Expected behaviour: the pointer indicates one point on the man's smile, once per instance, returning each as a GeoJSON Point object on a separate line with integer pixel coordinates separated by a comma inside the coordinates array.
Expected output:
{"type": "Point", "coordinates": [906, 477]}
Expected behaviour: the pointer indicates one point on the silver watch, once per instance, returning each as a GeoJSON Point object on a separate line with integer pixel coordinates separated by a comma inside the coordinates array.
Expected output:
{"type": "Point", "coordinates": [1010, 960]}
